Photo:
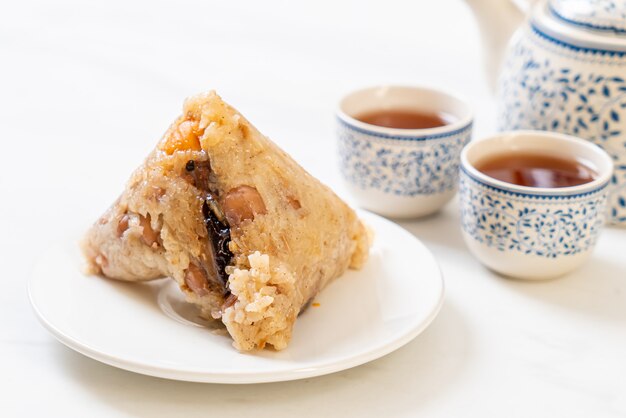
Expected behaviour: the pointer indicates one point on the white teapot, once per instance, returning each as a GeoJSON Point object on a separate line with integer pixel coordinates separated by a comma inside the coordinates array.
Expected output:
{"type": "Point", "coordinates": [564, 70]}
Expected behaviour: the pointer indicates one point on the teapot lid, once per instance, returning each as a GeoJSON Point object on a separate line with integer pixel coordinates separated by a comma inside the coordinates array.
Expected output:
{"type": "Point", "coordinates": [608, 16]}
{"type": "Point", "coordinates": [595, 24]}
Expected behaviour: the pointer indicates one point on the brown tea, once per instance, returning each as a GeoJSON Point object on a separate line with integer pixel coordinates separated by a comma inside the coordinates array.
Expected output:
{"type": "Point", "coordinates": [536, 170]}
{"type": "Point", "coordinates": [404, 119]}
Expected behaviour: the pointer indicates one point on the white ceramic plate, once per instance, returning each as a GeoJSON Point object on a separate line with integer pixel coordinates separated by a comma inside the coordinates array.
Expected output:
{"type": "Point", "coordinates": [147, 328]}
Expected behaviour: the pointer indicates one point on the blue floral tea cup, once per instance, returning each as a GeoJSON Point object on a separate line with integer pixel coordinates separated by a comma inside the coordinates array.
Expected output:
{"type": "Point", "coordinates": [395, 172]}
{"type": "Point", "coordinates": [531, 232]}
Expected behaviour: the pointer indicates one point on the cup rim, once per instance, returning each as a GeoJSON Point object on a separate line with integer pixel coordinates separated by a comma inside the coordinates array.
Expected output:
{"type": "Point", "coordinates": [595, 185]}
{"type": "Point", "coordinates": [455, 127]}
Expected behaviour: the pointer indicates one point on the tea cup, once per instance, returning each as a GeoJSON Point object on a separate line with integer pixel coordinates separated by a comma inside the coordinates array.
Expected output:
{"type": "Point", "coordinates": [401, 173]}
{"type": "Point", "coordinates": [532, 232]}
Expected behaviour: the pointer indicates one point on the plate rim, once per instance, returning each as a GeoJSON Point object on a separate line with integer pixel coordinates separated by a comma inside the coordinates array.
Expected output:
{"type": "Point", "coordinates": [334, 366]}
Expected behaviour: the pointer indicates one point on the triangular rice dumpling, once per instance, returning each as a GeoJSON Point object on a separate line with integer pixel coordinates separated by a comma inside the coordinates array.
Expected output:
{"type": "Point", "coordinates": [248, 235]}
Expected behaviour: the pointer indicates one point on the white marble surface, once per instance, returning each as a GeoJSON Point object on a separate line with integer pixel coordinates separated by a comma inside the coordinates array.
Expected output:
{"type": "Point", "coordinates": [86, 90]}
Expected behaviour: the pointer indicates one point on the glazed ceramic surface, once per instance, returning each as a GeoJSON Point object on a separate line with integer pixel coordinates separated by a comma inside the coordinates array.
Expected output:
{"type": "Point", "coordinates": [532, 233]}
{"type": "Point", "coordinates": [402, 172]}
{"type": "Point", "coordinates": [565, 71]}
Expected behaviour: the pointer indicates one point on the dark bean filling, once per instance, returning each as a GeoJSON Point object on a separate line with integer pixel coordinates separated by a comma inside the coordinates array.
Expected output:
{"type": "Point", "coordinates": [199, 174]}
{"type": "Point", "coordinates": [219, 234]}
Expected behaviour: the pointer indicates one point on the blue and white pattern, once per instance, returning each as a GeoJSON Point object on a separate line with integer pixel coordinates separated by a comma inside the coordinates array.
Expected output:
{"type": "Point", "coordinates": [547, 84]}
{"type": "Point", "coordinates": [401, 165]}
{"type": "Point", "coordinates": [601, 15]}
{"type": "Point", "coordinates": [545, 226]}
